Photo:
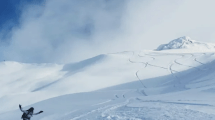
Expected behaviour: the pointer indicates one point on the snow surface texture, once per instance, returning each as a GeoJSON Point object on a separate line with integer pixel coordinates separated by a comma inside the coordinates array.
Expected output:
{"type": "Point", "coordinates": [139, 85]}
{"type": "Point", "coordinates": [187, 43]}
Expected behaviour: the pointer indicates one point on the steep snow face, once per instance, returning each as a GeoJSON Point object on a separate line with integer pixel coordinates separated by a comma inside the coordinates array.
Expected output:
{"type": "Point", "coordinates": [187, 43]}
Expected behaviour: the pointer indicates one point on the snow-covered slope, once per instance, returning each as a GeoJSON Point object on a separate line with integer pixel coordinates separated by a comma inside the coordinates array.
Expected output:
{"type": "Point", "coordinates": [187, 43]}
{"type": "Point", "coordinates": [139, 85]}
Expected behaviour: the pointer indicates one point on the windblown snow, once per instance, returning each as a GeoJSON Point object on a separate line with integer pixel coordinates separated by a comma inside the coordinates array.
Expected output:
{"type": "Point", "coordinates": [130, 85]}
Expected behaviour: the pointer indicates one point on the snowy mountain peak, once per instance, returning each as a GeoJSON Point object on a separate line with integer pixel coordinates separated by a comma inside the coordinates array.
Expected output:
{"type": "Point", "coordinates": [185, 39]}
{"type": "Point", "coordinates": [186, 42]}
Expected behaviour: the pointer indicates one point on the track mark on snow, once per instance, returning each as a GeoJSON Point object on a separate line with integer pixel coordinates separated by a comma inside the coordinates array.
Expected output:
{"type": "Point", "coordinates": [140, 79]}
{"type": "Point", "coordinates": [197, 68]}
{"type": "Point", "coordinates": [102, 103]}
{"type": "Point", "coordinates": [116, 96]}
{"type": "Point", "coordinates": [123, 96]}
{"type": "Point", "coordinates": [172, 102]}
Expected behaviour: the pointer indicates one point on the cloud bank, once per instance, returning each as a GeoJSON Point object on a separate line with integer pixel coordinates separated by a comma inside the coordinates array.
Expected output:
{"type": "Point", "coordinates": [63, 31]}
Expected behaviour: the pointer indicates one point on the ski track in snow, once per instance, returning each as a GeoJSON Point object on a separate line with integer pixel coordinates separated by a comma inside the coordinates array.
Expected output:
{"type": "Point", "coordinates": [145, 65]}
{"type": "Point", "coordinates": [164, 110]}
{"type": "Point", "coordinates": [149, 110]}
{"type": "Point", "coordinates": [96, 113]}
{"type": "Point", "coordinates": [124, 107]}
{"type": "Point", "coordinates": [183, 56]}
{"type": "Point", "coordinates": [161, 110]}
{"type": "Point", "coordinates": [102, 103]}
{"type": "Point", "coordinates": [191, 55]}
{"type": "Point", "coordinates": [169, 68]}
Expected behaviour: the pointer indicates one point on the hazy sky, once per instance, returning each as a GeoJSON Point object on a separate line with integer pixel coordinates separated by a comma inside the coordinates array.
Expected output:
{"type": "Point", "coordinates": [65, 31]}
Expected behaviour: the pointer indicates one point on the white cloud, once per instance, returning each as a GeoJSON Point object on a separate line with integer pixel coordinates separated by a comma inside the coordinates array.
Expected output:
{"type": "Point", "coordinates": [68, 30]}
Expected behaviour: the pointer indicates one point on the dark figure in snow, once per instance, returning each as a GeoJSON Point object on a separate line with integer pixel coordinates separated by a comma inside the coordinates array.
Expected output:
{"type": "Point", "coordinates": [27, 114]}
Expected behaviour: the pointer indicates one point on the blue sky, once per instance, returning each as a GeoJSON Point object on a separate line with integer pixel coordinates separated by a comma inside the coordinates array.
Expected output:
{"type": "Point", "coordinates": [10, 11]}
{"type": "Point", "coordinates": [63, 31]}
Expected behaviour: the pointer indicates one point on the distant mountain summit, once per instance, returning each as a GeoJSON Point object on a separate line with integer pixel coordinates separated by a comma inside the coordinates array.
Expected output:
{"type": "Point", "coordinates": [186, 43]}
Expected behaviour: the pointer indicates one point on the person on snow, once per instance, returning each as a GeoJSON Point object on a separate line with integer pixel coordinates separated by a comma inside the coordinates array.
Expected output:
{"type": "Point", "coordinates": [27, 114]}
